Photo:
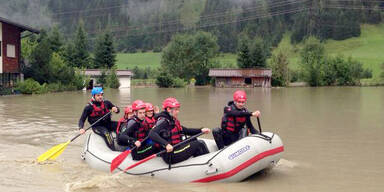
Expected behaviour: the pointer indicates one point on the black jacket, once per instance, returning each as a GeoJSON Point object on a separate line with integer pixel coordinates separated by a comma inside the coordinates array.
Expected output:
{"type": "Point", "coordinates": [88, 110]}
{"type": "Point", "coordinates": [232, 111]}
{"type": "Point", "coordinates": [126, 135]}
{"type": "Point", "coordinates": [160, 133]}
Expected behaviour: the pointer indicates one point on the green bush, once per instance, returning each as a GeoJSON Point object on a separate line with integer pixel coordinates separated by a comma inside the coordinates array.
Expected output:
{"type": "Point", "coordinates": [55, 87]}
{"type": "Point", "coordinates": [293, 75]}
{"type": "Point", "coordinates": [157, 50]}
{"type": "Point", "coordinates": [178, 82]}
{"type": "Point", "coordinates": [164, 80]}
{"type": "Point", "coordinates": [31, 86]}
{"type": "Point", "coordinates": [5, 90]}
{"type": "Point", "coordinates": [366, 74]}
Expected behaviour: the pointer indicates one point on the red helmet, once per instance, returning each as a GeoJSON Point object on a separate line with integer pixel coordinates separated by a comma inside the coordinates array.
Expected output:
{"type": "Point", "coordinates": [138, 104]}
{"type": "Point", "coordinates": [149, 107]}
{"type": "Point", "coordinates": [170, 102]}
{"type": "Point", "coordinates": [240, 95]}
{"type": "Point", "coordinates": [128, 109]}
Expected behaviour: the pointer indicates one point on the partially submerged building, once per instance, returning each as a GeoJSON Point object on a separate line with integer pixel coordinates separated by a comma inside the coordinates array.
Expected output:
{"type": "Point", "coordinates": [255, 77]}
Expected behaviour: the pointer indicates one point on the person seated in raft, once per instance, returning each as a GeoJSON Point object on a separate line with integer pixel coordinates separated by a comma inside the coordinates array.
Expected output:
{"type": "Point", "coordinates": [135, 131]}
{"type": "Point", "coordinates": [150, 114]}
{"type": "Point", "coordinates": [96, 109]}
{"type": "Point", "coordinates": [168, 132]}
{"type": "Point", "coordinates": [233, 121]}
{"type": "Point", "coordinates": [128, 114]}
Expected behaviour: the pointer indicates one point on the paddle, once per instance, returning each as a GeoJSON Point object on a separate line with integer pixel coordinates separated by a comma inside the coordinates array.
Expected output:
{"type": "Point", "coordinates": [120, 158]}
{"type": "Point", "coordinates": [258, 122]}
{"type": "Point", "coordinates": [161, 152]}
{"type": "Point", "coordinates": [55, 151]}
{"type": "Point", "coordinates": [266, 136]}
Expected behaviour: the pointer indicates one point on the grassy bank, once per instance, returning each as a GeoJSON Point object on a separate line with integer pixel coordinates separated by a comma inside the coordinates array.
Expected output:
{"type": "Point", "coordinates": [152, 60]}
{"type": "Point", "coordinates": [368, 49]}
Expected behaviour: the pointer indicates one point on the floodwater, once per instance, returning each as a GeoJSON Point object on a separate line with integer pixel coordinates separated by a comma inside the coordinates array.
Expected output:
{"type": "Point", "coordinates": [333, 139]}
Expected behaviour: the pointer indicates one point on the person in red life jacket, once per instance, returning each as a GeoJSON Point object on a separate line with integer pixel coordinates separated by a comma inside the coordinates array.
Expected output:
{"type": "Point", "coordinates": [134, 133]}
{"type": "Point", "coordinates": [96, 109]}
{"type": "Point", "coordinates": [168, 132]}
{"type": "Point", "coordinates": [128, 113]}
{"type": "Point", "coordinates": [236, 116]}
{"type": "Point", "coordinates": [150, 113]}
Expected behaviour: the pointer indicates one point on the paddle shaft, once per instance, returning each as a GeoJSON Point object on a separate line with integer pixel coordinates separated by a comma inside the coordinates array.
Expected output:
{"type": "Point", "coordinates": [78, 135]}
{"type": "Point", "coordinates": [161, 152]}
{"type": "Point", "coordinates": [258, 122]}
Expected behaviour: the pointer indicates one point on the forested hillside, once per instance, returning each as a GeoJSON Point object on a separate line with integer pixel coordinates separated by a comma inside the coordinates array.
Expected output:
{"type": "Point", "coordinates": [150, 24]}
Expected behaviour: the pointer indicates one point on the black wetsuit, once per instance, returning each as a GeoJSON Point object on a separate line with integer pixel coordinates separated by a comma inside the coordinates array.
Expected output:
{"type": "Point", "coordinates": [103, 127]}
{"type": "Point", "coordinates": [161, 134]}
{"type": "Point", "coordinates": [129, 134]}
{"type": "Point", "coordinates": [224, 136]}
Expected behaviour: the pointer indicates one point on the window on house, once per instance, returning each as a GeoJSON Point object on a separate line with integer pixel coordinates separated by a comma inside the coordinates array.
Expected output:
{"type": "Point", "coordinates": [248, 81]}
{"type": "Point", "coordinates": [11, 51]}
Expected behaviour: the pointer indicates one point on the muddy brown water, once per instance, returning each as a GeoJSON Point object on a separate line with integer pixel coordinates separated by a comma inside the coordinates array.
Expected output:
{"type": "Point", "coordinates": [333, 139]}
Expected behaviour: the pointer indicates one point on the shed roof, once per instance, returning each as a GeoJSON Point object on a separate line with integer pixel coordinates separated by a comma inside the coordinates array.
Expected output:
{"type": "Point", "coordinates": [23, 27]}
{"type": "Point", "coordinates": [255, 72]}
{"type": "Point", "coordinates": [97, 72]}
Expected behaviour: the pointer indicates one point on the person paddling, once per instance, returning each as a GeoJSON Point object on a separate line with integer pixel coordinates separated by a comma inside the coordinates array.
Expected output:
{"type": "Point", "coordinates": [94, 110]}
{"type": "Point", "coordinates": [135, 132]}
{"type": "Point", "coordinates": [235, 117]}
{"type": "Point", "coordinates": [168, 132]}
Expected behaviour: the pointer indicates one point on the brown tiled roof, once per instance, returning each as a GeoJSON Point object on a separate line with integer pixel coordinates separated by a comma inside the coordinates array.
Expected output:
{"type": "Point", "coordinates": [97, 72]}
{"type": "Point", "coordinates": [23, 27]}
{"type": "Point", "coordinates": [240, 72]}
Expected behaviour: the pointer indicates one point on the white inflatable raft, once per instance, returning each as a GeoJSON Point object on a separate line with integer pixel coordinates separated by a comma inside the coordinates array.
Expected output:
{"type": "Point", "coordinates": [231, 164]}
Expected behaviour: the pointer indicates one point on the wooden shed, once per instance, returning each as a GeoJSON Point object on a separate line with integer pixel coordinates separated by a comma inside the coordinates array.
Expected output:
{"type": "Point", "coordinates": [255, 77]}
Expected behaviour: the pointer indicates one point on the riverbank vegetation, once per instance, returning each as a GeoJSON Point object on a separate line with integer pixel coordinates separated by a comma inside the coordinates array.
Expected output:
{"type": "Point", "coordinates": [50, 65]}
{"type": "Point", "coordinates": [247, 34]}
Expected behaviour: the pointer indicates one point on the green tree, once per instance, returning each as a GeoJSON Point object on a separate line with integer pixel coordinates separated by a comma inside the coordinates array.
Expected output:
{"type": "Point", "coordinates": [312, 61]}
{"type": "Point", "coordinates": [81, 56]}
{"type": "Point", "coordinates": [55, 39]}
{"type": "Point", "coordinates": [243, 53]}
{"type": "Point", "coordinates": [137, 73]}
{"type": "Point", "coordinates": [112, 79]}
{"type": "Point", "coordinates": [40, 68]}
{"type": "Point", "coordinates": [68, 54]}
{"type": "Point", "coordinates": [27, 46]}
{"type": "Point", "coordinates": [102, 80]}
{"type": "Point", "coordinates": [190, 56]}
{"type": "Point", "coordinates": [279, 66]}
{"type": "Point", "coordinates": [258, 53]}
{"type": "Point", "coordinates": [60, 71]}
{"type": "Point", "coordinates": [105, 55]}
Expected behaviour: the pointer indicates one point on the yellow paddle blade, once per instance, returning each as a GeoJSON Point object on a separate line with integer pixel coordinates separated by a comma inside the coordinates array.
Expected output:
{"type": "Point", "coordinates": [53, 152]}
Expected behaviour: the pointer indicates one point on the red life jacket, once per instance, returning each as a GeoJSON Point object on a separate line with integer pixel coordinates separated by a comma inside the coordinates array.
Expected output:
{"type": "Point", "coordinates": [150, 122]}
{"type": "Point", "coordinates": [119, 123]}
{"type": "Point", "coordinates": [176, 133]}
{"type": "Point", "coordinates": [233, 124]}
{"type": "Point", "coordinates": [143, 130]}
{"type": "Point", "coordinates": [98, 111]}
